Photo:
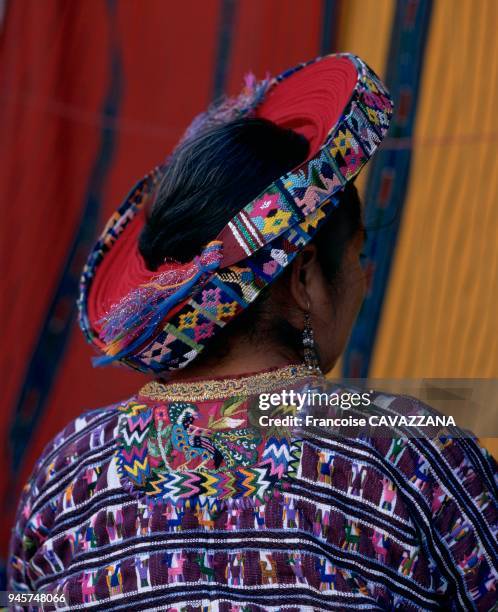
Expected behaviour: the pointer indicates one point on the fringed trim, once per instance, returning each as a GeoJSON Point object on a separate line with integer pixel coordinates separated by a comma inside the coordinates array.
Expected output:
{"type": "Point", "coordinates": [133, 320]}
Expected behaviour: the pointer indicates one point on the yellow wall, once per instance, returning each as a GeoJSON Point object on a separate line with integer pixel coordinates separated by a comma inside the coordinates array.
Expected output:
{"type": "Point", "coordinates": [440, 316]}
{"type": "Point", "coordinates": [365, 29]}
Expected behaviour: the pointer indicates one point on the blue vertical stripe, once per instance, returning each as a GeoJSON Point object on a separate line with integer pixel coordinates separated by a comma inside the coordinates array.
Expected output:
{"type": "Point", "coordinates": [225, 37]}
{"type": "Point", "coordinates": [389, 175]}
{"type": "Point", "coordinates": [330, 19]}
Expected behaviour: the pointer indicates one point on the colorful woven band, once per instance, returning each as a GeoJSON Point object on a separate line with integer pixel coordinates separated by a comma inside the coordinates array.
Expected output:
{"type": "Point", "coordinates": [160, 321]}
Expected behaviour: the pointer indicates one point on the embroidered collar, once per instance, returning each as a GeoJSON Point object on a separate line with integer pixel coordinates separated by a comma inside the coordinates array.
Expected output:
{"type": "Point", "coordinates": [218, 388]}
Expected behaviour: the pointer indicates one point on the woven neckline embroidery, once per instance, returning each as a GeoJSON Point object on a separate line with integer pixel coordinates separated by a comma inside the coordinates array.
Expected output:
{"type": "Point", "coordinates": [228, 387]}
{"type": "Point", "coordinates": [178, 451]}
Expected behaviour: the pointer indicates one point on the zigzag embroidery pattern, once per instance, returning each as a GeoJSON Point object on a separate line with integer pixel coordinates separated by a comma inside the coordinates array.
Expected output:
{"type": "Point", "coordinates": [278, 462]}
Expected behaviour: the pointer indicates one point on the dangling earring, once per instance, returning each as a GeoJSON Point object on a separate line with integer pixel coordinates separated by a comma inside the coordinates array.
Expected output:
{"type": "Point", "coordinates": [309, 348]}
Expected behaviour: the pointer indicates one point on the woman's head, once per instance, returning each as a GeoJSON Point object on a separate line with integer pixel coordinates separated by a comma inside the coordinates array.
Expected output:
{"type": "Point", "coordinates": [209, 179]}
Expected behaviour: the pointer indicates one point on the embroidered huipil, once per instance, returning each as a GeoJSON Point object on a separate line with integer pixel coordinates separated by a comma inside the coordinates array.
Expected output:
{"type": "Point", "coordinates": [173, 500]}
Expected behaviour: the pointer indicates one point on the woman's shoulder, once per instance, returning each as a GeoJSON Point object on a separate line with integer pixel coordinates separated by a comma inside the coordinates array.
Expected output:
{"type": "Point", "coordinates": [75, 465]}
{"type": "Point", "coordinates": [433, 440]}
{"type": "Point", "coordinates": [89, 437]}
{"type": "Point", "coordinates": [442, 468]}
{"type": "Point", "coordinates": [403, 435]}
{"type": "Point", "coordinates": [432, 435]}
{"type": "Point", "coordinates": [89, 431]}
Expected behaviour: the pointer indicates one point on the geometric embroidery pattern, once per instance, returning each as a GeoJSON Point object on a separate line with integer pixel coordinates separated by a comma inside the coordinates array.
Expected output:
{"type": "Point", "coordinates": [230, 464]}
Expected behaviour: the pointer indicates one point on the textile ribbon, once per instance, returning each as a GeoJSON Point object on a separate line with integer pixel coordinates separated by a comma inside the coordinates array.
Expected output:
{"type": "Point", "coordinates": [134, 319]}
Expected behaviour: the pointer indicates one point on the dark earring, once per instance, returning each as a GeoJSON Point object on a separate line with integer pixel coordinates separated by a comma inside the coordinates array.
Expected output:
{"type": "Point", "coordinates": [309, 349]}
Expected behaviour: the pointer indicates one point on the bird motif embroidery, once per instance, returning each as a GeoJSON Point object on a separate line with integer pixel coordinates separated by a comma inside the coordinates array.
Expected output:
{"type": "Point", "coordinates": [204, 448]}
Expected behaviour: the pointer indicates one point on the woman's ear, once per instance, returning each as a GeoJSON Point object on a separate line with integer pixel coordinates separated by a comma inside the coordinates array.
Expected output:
{"type": "Point", "coordinates": [303, 276]}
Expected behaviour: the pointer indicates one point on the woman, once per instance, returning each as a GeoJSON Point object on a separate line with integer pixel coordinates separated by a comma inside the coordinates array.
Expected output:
{"type": "Point", "coordinates": [232, 271]}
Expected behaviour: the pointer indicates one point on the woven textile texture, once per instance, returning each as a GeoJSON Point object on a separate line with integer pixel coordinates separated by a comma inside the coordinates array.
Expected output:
{"type": "Point", "coordinates": [159, 502]}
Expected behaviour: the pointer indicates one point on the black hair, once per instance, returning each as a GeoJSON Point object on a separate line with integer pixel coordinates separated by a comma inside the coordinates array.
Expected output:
{"type": "Point", "coordinates": [211, 177]}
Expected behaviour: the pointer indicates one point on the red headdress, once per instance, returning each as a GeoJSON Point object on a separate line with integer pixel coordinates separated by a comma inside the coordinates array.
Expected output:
{"type": "Point", "coordinates": [160, 320]}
